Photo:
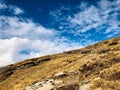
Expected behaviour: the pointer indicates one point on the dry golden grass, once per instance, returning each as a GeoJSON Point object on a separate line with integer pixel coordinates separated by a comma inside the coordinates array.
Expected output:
{"type": "Point", "coordinates": [108, 79]}
{"type": "Point", "coordinates": [24, 77]}
{"type": "Point", "coordinates": [99, 64]}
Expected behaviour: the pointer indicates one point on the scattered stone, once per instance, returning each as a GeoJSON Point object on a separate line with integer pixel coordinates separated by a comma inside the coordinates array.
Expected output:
{"type": "Point", "coordinates": [58, 82]}
{"type": "Point", "coordinates": [46, 86]}
{"type": "Point", "coordinates": [61, 75]}
{"type": "Point", "coordinates": [49, 81]}
{"type": "Point", "coordinates": [28, 88]}
{"type": "Point", "coordinates": [39, 83]}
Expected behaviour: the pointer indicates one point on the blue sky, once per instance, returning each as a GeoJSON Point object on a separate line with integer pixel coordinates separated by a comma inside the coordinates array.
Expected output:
{"type": "Point", "coordinates": [32, 28]}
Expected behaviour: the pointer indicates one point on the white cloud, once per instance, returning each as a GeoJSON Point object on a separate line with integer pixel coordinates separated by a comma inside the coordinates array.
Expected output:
{"type": "Point", "coordinates": [16, 10]}
{"type": "Point", "coordinates": [19, 35]}
{"type": "Point", "coordinates": [11, 8]}
{"type": "Point", "coordinates": [10, 49]}
{"type": "Point", "coordinates": [103, 17]}
{"type": "Point", "coordinates": [22, 38]}
{"type": "Point", "coordinates": [2, 6]}
{"type": "Point", "coordinates": [105, 4]}
{"type": "Point", "coordinates": [106, 12]}
{"type": "Point", "coordinates": [17, 27]}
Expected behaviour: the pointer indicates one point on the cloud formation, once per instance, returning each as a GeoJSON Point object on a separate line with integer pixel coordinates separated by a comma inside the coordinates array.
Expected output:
{"type": "Point", "coordinates": [16, 49]}
{"type": "Point", "coordinates": [101, 17]}
{"type": "Point", "coordinates": [25, 28]}
{"type": "Point", "coordinates": [22, 38]}
{"type": "Point", "coordinates": [10, 8]}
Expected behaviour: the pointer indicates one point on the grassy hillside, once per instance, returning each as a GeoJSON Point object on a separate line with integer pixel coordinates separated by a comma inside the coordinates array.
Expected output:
{"type": "Point", "coordinates": [96, 67]}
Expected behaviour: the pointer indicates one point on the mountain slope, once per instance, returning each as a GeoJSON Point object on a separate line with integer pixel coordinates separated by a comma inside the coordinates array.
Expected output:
{"type": "Point", "coordinates": [96, 67]}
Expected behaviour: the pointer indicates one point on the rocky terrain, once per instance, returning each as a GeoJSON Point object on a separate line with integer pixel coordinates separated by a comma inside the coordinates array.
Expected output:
{"type": "Point", "coordinates": [95, 67]}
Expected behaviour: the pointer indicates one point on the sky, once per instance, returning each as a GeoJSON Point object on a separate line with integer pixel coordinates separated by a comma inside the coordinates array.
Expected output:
{"type": "Point", "coordinates": [33, 28]}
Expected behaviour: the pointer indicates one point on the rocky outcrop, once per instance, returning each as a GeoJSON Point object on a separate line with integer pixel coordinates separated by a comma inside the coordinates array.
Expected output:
{"type": "Point", "coordinates": [31, 63]}
{"type": "Point", "coordinates": [48, 84]}
{"type": "Point", "coordinates": [7, 71]}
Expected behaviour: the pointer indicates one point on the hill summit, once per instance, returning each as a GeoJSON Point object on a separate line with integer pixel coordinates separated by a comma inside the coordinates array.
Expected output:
{"type": "Point", "coordinates": [95, 67]}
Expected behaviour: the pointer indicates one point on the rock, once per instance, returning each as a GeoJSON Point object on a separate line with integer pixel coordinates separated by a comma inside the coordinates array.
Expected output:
{"type": "Point", "coordinates": [31, 63]}
{"type": "Point", "coordinates": [60, 75]}
{"type": "Point", "coordinates": [49, 81]}
{"type": "Point", "coordinates": [6, 72]}
{"type": "Point", "coordinates": [46, 86]}
{"type": "Point", "coordinates": [28, 88]}
{"type": "Point", "coordinates": [69, 87]}
{"type": "Point", "coordinates": [39, 83]}
{"type": "Point", "coordinates": [58, 82]}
